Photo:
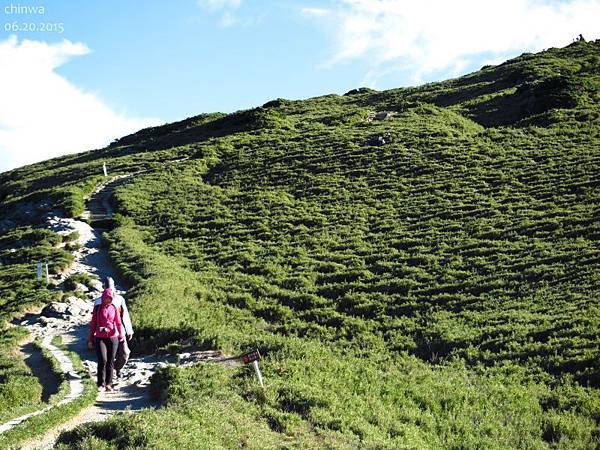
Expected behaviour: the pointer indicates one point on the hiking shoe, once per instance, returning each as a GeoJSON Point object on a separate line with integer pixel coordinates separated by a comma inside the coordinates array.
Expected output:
{"type": "Point", "coordinates": [109, 388]}
{"type": "Point", "coordinates": [100, 388]}
{"type": "Point", "coordinates": [117, 374]}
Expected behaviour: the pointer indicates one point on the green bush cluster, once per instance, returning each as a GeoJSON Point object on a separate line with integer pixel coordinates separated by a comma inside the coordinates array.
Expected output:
{"type": "Point", "coordinates": [20, 250]}
{"type": "Point", "coordinates": [79, 278]}
{"type": "Point", "coordinates": [428, 280]}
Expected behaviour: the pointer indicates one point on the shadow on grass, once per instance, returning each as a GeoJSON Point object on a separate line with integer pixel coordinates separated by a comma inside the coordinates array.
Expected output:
{"type": "Point", "coordinates": [41, 369]}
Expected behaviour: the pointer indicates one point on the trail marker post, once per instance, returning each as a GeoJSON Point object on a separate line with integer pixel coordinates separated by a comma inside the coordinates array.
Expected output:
{"type": "Point", "coordinates": [104, 169]}
{"type": "Point", "coordinates": [41, 268]}
{"type": "Point", "coordinates": [253, 357]}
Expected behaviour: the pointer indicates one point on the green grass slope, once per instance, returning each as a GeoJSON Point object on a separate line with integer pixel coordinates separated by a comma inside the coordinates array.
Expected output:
{"type": "Point", "coordinates": [429, 280]}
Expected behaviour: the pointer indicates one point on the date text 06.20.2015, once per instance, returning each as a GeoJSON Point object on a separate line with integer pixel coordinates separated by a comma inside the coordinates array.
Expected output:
{"type": "Point", "coordinates": [32, 27]}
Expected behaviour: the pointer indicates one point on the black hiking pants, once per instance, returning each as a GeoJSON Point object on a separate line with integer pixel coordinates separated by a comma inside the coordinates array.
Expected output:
{"type": "Point", "coordinates": [106, 350]}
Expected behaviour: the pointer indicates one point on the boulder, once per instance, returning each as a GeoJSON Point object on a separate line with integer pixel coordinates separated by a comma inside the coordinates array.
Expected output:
{"type": "Point", "coordinates": [56, 310]}
{"type": "Point", "coordinates": [81, 287]}
{"type": "Point", "coordinates": [383, 115]}
{"type": "Point", "coordinates": [46, 321]}
{"type": "Point", "coordinates": [78, 306]}
{"type": "Point", "coordinates": [97, 287]}
{"type": "Point", "coordinates": [379, 140]}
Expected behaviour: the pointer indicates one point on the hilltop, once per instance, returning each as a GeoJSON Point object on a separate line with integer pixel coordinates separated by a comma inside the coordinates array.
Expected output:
{"type": "Point", "coordinates": [419, 267]}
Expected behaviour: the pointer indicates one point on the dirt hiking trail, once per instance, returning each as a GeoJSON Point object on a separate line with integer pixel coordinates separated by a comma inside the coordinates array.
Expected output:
{"type": "Point", "coordinates": [70, 318]}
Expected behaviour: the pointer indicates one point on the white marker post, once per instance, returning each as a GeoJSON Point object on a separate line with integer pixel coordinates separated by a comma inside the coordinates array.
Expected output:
{"type": "Point", "coordinates": [254, 357]}
{"type": "Point", "coordinates": [258, 374]}
{"type": "Point", "coordinates": [104, 169]}
{"type": "Point", "coordinates": [39, 270]}
{"type": "Point", "coordinates": [47, 275]}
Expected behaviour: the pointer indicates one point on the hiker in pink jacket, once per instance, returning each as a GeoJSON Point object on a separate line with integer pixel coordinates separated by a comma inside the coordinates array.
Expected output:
{"type": "Point", "coordinates": [106, 330]}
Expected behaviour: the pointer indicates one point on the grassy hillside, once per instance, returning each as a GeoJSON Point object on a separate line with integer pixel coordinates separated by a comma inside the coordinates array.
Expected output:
{"type": "Point", "coordinates": [425, 278]}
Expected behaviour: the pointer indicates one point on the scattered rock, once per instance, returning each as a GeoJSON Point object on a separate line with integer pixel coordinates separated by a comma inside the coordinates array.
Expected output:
{"type": "Point", "coordinates": [69, 318]}
{"type": "Point", "coordinates": [379, 140]}
{"type": "Point", "coordinates": [379, 116]}
{"type": "Point", "coordinates": [81, 287]}
{"type": "Point", "coordinates": [383, 115]}
{"type": "Point", "coordinates": [58, 224]}
{"type": "Point", "coordinates": [64, 226]}
{"type": "Point", "coordinates": [44, 321]}
{"type": "Point", "coordinates": [79, 303]}
{"type": "Point", "coordinates": [57, 310]}
{"type": "Point", "coordinates": [88, 364]}
{"type": "Point", "coordinates": [66, 312]}
{"type": "Point", "coordinates": [360, 90]}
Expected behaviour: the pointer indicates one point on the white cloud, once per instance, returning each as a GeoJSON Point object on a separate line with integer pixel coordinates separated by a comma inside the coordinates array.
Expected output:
{"type": "Point", "coordinates": [317, 12]}
{"type": "Point", "coordinates": [428, 36]}
{"type": "Point", "coordinates": [219, 4]}
{"type": "Point", "coordinates": [226, 8]}
{"type": "Point", "coordinates": [43, 115]}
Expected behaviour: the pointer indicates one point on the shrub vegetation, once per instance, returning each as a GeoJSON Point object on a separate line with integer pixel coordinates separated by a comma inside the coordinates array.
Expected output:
{"type": "Point", "coordinates": [429, 280]}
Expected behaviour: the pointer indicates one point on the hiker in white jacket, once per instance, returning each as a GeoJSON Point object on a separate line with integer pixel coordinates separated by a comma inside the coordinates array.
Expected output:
{"type": "Point", "coordinates": [123, 349]}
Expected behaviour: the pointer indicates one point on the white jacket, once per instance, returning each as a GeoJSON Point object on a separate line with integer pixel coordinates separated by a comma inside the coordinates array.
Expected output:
{"type": "Point", "coordinates": [119, 301]}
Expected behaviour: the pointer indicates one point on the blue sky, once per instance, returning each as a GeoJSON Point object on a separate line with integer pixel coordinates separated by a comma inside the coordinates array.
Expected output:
{"type": "Point", "coordinates": [177, 58]}
{"type": "Point", "coordinates": [103, 68]}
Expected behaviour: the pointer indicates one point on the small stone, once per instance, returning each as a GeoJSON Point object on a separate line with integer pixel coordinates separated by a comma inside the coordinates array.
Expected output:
{"type": "Point", "coordinates": [43, 321]}
{"type": "Point", "coordinates": [73, 375]}
{"type": "Point", "coordinates": [97, 286]}
{"type": "Point", "coordinates": [81, 287]}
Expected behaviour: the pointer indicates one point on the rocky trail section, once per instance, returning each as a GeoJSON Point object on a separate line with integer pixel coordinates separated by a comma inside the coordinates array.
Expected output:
{"type": "Point", "coordinates": [99, 210]}
{"type": "Point", "coordinates": [69, 319]}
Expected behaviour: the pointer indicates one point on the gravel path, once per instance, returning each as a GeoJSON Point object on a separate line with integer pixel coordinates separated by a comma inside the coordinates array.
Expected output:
{"type": "Point", "coordinates": [70, 320]}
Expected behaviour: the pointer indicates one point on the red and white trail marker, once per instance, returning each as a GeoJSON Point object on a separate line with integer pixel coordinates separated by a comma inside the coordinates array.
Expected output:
{"type": "Point", "coordinates": [253, 357]}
